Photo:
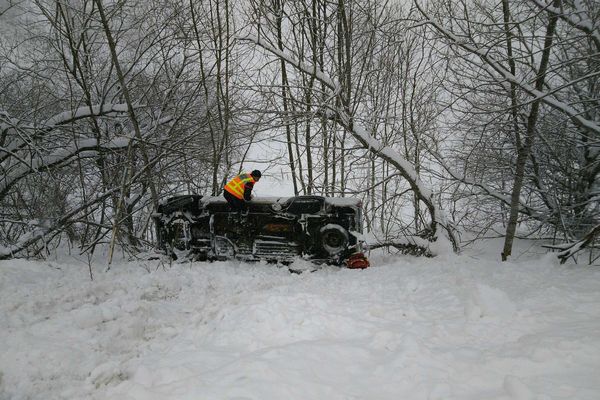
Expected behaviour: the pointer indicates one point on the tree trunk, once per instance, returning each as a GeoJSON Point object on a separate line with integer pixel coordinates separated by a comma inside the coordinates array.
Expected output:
{"type": "Point", "coordinates": [525, 150]}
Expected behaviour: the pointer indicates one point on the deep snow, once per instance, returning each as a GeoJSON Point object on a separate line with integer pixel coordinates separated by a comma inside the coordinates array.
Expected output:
{"type": "Point", "coordinates": [450, 327]}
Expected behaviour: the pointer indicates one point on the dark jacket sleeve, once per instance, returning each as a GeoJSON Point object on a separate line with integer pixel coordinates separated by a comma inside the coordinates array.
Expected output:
{"type": "Point", "coordinates": [248, 190]}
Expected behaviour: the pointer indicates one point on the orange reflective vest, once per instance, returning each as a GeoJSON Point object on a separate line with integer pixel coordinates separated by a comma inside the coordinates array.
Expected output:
{"type": "Point", "coordinates": [236, 186]}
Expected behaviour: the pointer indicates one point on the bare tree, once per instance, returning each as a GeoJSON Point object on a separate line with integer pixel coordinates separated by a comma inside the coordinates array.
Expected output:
{"type": "Point", "coordinates": [109, 135]}
{"type": "Point", "coordinates": [522, 70]}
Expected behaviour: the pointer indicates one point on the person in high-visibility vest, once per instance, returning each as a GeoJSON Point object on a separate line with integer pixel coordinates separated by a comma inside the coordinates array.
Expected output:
{"type": "Point", "coordinates": [238, 191]}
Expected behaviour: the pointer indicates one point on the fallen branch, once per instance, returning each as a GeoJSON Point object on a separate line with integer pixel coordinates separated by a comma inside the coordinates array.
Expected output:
{"type": "Point", "coordinates": [412, 249]}
{"type": "Point", "coordinates": [568, 250]}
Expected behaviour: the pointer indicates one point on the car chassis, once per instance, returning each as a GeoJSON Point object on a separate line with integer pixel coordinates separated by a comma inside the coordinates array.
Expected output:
{"type": "Point", "coordinates": [319, 229]}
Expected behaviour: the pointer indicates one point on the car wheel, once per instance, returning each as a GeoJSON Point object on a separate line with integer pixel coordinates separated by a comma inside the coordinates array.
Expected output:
{"type": "Point", "coordinates": [334, 239]}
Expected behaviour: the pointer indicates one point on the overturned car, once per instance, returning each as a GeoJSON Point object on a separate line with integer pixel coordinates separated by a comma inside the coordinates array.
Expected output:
{"type": "Point", "coordinates": [320, 229]}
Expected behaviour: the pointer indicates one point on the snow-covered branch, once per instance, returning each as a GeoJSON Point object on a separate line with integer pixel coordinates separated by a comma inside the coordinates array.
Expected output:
{"type": "Point", "coordinates": [55, 159]}
{"type": "Point", "coordinates": [17, 167]}
{"type": "Point", "coordinates": [414, 249]}
{"type": "Point", "coordinates": [42, 230]}
{"type": "Point", "coordinates": [70, 116]}
{"type": "Point", "coordinates": [301, 66]}
{"type": "Point", "coordinates": [578, 19]}
{"type": "Point", "coordinates": [8, 123]}
{"type": "Point", "coordinates": [570, 249]}
{"type": "Point", "coordinates": [502, 197]}
{"type": "Point", "coordinates": [488, 61]}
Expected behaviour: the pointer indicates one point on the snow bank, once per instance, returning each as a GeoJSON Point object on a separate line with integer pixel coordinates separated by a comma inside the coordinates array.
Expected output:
{"type": "Point", "coordinates": [451, 327]}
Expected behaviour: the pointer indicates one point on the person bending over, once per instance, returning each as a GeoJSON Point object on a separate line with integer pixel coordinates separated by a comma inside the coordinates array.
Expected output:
{"type": "Point", "coordinates": [238, 191]}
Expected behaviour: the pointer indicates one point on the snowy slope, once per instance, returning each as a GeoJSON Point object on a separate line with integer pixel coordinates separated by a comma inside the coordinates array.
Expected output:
{"type": "Point", "coordinates": [451, 327]}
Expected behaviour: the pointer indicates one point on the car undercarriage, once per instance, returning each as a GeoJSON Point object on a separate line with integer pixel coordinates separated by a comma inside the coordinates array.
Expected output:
{"type": "Point", "coordinates": [315, 228]}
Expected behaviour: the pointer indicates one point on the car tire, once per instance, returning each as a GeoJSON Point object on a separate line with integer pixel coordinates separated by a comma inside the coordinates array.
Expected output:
{"type": "Point", "coordinates": [334, 239]}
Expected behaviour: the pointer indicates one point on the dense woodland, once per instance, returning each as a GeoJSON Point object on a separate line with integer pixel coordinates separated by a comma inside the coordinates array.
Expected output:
{"type": "Point", "coordinates": [452, 120]}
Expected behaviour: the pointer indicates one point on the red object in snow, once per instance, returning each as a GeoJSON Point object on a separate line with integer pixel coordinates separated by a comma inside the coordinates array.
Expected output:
{"type": "Point", "coordinates": [357, 261]}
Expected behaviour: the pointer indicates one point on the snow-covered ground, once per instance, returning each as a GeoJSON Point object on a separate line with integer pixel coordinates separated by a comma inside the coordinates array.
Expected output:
{"type": "Point", "coordinates": [451, 327]}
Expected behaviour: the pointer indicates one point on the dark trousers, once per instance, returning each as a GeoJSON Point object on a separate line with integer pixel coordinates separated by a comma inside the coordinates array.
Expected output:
{"type": "Point", "coordinates": [234, 203]}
